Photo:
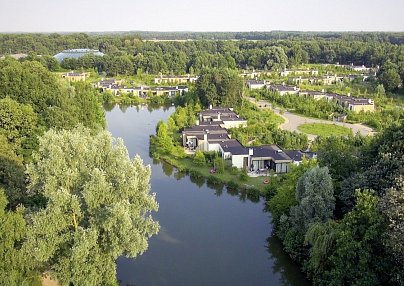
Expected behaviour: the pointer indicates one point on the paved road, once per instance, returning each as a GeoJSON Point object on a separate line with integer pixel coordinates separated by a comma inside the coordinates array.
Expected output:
{"type": "Point", "coordinates": [292, 121]}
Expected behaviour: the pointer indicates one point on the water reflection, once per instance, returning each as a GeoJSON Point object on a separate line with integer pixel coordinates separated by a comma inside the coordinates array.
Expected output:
{"type": "Point", "coordinates": [290, 272]}
{"type": "Point", "coordinates": [167, 169]}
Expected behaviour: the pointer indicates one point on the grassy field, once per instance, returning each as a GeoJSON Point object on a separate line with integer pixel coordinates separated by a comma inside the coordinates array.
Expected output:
{"type": "Point", "coordinates": [323, 129]}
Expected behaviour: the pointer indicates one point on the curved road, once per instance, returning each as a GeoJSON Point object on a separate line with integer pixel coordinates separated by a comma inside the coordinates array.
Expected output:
{"type": "Point", "coordinates": [292, 121]}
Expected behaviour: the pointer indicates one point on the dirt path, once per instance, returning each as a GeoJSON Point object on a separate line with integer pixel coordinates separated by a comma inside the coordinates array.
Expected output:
{"type": "Point", "coordinates": [292, 121]}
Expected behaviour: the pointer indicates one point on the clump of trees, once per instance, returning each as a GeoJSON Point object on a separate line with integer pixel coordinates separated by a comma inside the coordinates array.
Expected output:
{"type": "Point", "coordinates": [220, 87]}
{"type": "Point", "coordinates": [341, 221]}
{"type": "Point", "coordinates": [97, 205]}
{"type": "Point", "coordinates": [60, 214]}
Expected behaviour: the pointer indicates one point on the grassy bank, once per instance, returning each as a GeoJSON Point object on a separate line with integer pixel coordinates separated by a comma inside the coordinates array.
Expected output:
{"type": "Point", "coordinates": [230, 177]}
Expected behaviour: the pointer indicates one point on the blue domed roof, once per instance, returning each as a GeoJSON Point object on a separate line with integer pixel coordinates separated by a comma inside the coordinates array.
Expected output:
{"type": "Point", "coordinates": [76, 53]}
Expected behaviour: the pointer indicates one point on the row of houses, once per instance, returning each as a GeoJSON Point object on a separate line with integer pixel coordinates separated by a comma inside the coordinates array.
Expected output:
{"type": "Point", "coordinates": [355, 104]}
{"type": "Point", "coordinates": [117, 89]}
{"type": "Point", "coordinates": [327, 79]}
{"type": "Point", "coordinates": [210, 134]}
{"type": "Point", "coordinates": [167, 79]}
{"type": "Point", "coordinates": [75, 76]}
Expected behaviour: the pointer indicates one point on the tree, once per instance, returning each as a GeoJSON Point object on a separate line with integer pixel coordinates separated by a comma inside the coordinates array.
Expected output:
{"type": "Point", "coordinates": [392, 207]}
{"type": "Point", "coordinates": [314, 192]}
{"type": "Point", "coordinates": [199, 158]}
{"type": "Point", "coordinates": [390, 79]}
{"type": "Point", "coordinates": [12, 173]}
{"type": "Point", "coordinates": [164, 139]}
{"type": "Point", "coordinates": [358, 257]}
{"type": "Point", "coordinates": [219, 165]}
{"type": "Point", "coordinates": [297, 56]}
{"type": "Point", "coordinates": [15, 268]}
{"type": "Point", "coordinates": [18, 124]}
{"type": "Point", "coordinates": [97, 206]}
{"type": "Point", "coordinates": [219, 87]}
{"type": "Point", "coordinates": [277, 59]}
{"type": "Point", "coordinates": [285, 197]}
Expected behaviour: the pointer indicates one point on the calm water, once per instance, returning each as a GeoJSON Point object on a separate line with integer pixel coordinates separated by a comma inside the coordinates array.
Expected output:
{"type": "Point", "coordinates": [208, 236]}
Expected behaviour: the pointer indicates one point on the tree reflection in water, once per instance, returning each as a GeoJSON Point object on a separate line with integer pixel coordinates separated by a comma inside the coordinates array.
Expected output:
{"type": "Point", "coordinates": [284, 265]}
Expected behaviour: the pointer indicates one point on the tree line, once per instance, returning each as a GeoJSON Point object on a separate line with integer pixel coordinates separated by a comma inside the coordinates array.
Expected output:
{"type": "Point", "coordinates": [129, 54]}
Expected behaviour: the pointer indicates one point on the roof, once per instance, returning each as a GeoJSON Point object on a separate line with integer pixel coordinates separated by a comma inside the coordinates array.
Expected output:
{"type": "Point", "coordinates": [177, 76]}
{"type": "Point", "coordinates": [312, 92]}
{"type": "Point", "coordinates": [210, 123]}
{"type": "Point", "coordinates": [250, 82]}
{"type": "Point", "coordinates": [76, 53]}
{"type": "Point", "coordinates": [105, 81]}
{"type": "Point", "coordinates": [270, 151]}
{"type": "Point", "coordinates": [352, 100]}
{"type": "Point", "coordinates": [234, 147]}
{"type": "Point", "coordinates": [281, 87]}
{"type": "Point", "coordinates": [204, 128]}
{"type": "Point", "coordinates": [217, 110]}
{"type": "Point", "coordinates": [74, 74]}
{"type": "Point", "coordinates": [218, 136]}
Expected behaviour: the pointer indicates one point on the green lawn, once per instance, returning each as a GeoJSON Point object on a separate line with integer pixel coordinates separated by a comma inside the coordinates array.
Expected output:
{"type": "Point", "coordinates": [323, 129]}
{"type": "Point", "coordinates": [226, 177]}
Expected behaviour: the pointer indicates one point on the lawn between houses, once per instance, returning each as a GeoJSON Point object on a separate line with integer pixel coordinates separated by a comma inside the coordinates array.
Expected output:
{"type": "Point", "coordinates": [325, 130]}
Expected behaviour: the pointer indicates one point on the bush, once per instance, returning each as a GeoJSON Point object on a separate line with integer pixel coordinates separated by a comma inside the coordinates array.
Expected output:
{"type": "Point", "coordinates": [232, 186]}
{"type": "Point", "coordinates": [199, 158]}
{"type": "Point", "coordinates": [243, 175]}
{"type": "Point", "coordinates": [219, 165]}
{"type": "Point", "coordinates": [214, 180]}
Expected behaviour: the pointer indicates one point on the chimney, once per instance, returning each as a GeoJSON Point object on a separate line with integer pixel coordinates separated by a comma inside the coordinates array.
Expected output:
{"type": "Point", "coordinates": [349, 94]}
{"type": "Point", "coordinates": [197, 122]}
{"type": "Point", "coordinates": [218, 116]}
{"type": "Point", "coordinates": [210, 106]}
{"type": "Point", "coordinates": [250, 151]}
{"type": "Point", "coordinates": [323, 90]}
{"type": "Point", "coordinates": [283, 83]}
{"type": "Point", "coordinates": [205, 137]}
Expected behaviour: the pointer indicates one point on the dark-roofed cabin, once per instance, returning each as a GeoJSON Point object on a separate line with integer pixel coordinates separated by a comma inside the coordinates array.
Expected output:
{"type": "Point", "coordinates": [269, 157]}
{"type": "Point", "coordinates": [297, 155]}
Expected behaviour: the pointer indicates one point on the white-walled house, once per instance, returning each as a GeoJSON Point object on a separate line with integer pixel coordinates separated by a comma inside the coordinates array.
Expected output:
{"type": "Point", "coordinates": [210, 134]}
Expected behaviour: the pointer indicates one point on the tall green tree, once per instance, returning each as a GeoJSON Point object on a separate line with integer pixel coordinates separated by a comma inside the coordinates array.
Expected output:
{"type": "Point", "coordinates": [277, 58]}
{"type": "Point", "coordinates": [15, 266]}
{"type": "Point", "coordinates": [358, 257]}
{"type": "Point", "coordinates": [98, 206]}
{"type": "Point", "coordinates": [316, 203]}
{"type": "Point", "coordinates": [392, 207]}
{"type": "Point", "coordinates": [390, 79]}
{"type": "Point", "coordinates": [18, 123]}
{"type": "Point", "coordinates": [220, 87]}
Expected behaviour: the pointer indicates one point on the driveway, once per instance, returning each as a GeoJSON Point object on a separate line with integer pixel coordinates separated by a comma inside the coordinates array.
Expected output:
{"type": "Point", "coordinates": [292, 121]}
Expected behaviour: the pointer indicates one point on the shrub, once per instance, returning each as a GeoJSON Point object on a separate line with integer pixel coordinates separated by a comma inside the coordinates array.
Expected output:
{"type": "Point", "coordinates": [243, 175]}
{"type": "Point", "coordinates": [199, 158]}
{"type": "Point", "coordinates": [232, 186]}
{"type": "Point", "coordinates": [219, 165]}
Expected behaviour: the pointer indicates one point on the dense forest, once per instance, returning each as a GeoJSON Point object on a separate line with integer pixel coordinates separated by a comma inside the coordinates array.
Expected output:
{"type": "Point", "coordinates": [129, 54]}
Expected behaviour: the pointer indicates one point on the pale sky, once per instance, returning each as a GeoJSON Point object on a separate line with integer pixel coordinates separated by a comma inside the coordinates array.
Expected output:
{"type": "Point", "coordinates": [202, 15]}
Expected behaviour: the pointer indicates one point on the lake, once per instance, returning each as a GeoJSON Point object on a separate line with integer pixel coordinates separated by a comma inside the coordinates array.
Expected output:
{"type": "Point", "coordinates": [208, 236]}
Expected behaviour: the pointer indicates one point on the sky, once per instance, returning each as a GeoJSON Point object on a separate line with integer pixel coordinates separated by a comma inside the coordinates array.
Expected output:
{"type": "Point", "coordinates": [202, 15]}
